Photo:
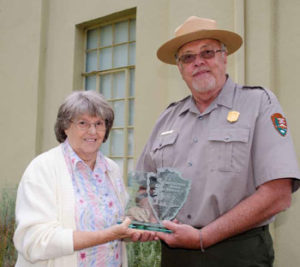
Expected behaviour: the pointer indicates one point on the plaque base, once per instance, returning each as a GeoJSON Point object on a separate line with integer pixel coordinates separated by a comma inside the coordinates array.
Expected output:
{"type": "Point", "coordinates": [148, 226]}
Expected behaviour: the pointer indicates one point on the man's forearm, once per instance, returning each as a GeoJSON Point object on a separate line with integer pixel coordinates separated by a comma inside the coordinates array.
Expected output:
{"type": "Point", "coordinates": [270, 199]}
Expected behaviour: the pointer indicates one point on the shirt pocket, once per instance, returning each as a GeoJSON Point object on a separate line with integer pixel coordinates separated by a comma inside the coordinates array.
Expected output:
{"type": "Point", "coordinates": [163, 149]}
{"type": "Point", "coordinates": [229, 149]}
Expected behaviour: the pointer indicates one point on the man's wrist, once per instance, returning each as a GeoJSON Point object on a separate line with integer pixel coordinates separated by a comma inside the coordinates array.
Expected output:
{"type": "Point", "coordinates": [201, 241]}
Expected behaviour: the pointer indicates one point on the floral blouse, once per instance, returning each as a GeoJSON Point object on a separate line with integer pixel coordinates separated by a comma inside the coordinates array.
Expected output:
{"type": "Point", "coordinates": [96, 207]}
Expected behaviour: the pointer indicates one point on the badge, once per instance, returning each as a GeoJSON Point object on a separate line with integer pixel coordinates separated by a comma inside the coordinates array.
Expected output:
{"type": "Point", "coordinates": [233, 116]}
{"type": "Point", "coordinates": [279, 123]}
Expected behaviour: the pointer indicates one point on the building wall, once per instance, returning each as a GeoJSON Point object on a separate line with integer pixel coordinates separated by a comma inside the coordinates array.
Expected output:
{"type": "Point", "coordinates": [41, 61]}
{"type": "Point", "coordinates": [286, 71]}
{"type": "Point", "coordinates": [20, 32]}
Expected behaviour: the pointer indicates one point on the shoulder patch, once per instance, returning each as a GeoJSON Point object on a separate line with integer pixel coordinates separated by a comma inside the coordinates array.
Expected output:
{"type": "Point", "coordinates": [260, 88]}
{"type": "Point", "coordinates": [279, 123]}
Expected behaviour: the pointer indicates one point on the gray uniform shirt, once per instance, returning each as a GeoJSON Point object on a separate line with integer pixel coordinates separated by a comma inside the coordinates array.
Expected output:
{"type": "Point", "coordinates": [225, 161]}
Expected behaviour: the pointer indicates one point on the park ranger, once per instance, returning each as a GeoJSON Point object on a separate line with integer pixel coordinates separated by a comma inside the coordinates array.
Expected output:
{"type": "Point", "coordinates": [233, 143]}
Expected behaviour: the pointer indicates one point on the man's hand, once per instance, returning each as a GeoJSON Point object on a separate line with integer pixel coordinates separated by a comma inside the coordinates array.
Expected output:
{"type": "Point", "coordinates": [183, 236]}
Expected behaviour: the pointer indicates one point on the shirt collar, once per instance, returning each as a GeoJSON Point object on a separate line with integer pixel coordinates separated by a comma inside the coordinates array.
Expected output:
{"type": "Point", "coordinates": [225, 98]}
{"type": "Point", "coordinates": [189, 105]}
{"type": "Point", "coordinates": [74, 158]}
{"type": "Point", "coordinates": [101, 161]}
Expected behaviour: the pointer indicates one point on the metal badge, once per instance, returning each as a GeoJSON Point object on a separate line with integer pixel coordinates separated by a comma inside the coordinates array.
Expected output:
{"type": "Point", "coordinates": [233, 116]}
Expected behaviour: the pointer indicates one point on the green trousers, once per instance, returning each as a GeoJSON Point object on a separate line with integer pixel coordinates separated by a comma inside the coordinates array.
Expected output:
{"type": "Point", "coordinates": [253, 248]}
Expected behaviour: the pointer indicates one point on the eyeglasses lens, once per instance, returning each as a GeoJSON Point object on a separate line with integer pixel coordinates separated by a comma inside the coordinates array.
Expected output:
{"type": "Point", "coordinates": [84, 125]}
{"type": "Point", "coordinates": [189, 58]}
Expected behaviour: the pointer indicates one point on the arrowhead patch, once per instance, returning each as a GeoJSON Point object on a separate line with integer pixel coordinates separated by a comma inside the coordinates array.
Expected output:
{"type": "Point", "coordinates": [279, 123]}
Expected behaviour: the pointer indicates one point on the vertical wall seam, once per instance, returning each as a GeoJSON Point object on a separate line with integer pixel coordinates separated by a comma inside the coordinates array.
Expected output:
{"type": "Point", "coordinates": [239, 27]}
{"type": "Point", "coordinates": [41, 77]}
{"type": "Point", "coordinates": [274, 55]}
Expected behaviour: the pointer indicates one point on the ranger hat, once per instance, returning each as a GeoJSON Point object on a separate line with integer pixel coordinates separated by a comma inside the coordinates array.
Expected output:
{"type": "Point", "coordinates": [195, 28]}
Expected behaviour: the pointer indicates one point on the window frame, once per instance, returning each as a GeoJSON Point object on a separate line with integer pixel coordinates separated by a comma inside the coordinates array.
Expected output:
{"type": "Point", "coordinates": [127, 98]}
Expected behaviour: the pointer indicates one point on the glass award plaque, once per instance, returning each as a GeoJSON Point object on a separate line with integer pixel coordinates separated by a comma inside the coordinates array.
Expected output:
{"type": "Point", "coordinates": [155, 197]}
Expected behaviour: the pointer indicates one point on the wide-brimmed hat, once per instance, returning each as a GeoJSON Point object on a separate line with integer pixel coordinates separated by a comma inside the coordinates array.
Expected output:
{"type": "Point", "coordinates": [195, 28]}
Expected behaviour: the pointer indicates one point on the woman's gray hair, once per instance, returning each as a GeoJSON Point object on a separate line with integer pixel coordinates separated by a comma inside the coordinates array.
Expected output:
{"type": "Point", "coordinates": [79, 103]}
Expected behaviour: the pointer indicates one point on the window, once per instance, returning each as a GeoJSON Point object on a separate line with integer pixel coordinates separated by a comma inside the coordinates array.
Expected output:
{"type": "Point", "coordinates": [110, 69]}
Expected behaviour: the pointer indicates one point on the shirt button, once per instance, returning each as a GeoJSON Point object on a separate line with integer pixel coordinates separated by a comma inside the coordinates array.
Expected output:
{"type": "Point", "coordinates": [189, 216]}
{"type": "Point", "coordinates": [190, 163]}
{"type": "Point", "coordinates": [195, 140]}
{"type": "Point", "coordinates": [227, 138]}
{"type": "Point", "coordinates": [200, 117]}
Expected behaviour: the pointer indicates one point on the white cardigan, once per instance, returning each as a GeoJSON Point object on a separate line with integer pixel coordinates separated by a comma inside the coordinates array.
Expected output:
{"type": "Point", "coordinates": [45, 212]}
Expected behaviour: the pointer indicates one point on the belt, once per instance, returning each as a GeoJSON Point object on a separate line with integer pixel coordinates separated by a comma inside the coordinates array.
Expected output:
{"type": "Point", "coordinates": [259, 228]}
{"type": "Point", "coordinates": [250, 232]}
{"type": "Point", "coordinates": [253, 230]}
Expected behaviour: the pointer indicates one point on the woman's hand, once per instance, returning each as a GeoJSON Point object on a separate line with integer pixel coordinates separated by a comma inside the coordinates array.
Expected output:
{"type": "Point", "coordinates": [123, 231]}
{"type": "Point", "coordinates": [85, 239]}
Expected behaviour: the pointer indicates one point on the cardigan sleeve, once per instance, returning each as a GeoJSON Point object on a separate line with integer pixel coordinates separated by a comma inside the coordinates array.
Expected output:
{"type": "Point", "coordinates": [40, 233]}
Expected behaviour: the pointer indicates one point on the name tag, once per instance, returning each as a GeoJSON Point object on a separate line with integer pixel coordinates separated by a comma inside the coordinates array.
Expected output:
{"type": "Point", "coordinates": [167, 132]}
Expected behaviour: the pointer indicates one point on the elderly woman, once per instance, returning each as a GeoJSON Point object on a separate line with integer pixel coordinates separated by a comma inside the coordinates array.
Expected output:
{"type": "Point", "coordinates": [71, 197]}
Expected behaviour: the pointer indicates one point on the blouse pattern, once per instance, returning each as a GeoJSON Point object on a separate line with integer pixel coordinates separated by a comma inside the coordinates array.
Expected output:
{"type": "Point", "coordinates": [97, 207]}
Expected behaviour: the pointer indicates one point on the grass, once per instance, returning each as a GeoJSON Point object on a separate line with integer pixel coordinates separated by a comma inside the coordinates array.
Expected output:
{"type": "Point", "coordinates": [7, 226]}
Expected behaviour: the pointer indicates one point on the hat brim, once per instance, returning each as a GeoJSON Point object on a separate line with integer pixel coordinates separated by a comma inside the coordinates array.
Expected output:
{"type": "Point", "coordinates": [167, 51]}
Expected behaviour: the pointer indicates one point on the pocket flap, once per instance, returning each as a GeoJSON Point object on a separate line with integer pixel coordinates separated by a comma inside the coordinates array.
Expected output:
{"type": "Point", "coordinates": [165, 140]}
{"type": "Point", "coordinates": [229, 135]}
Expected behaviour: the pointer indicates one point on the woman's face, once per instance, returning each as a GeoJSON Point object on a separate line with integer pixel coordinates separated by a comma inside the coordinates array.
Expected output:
{"type": "Point", "coordinates": [85, 135]}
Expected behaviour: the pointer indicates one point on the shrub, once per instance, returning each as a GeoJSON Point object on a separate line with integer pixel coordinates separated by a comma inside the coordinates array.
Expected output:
{"type": "Point", "coordinates": [7, 226]}
{"type": "Point", "coordinates": [145, 254]}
